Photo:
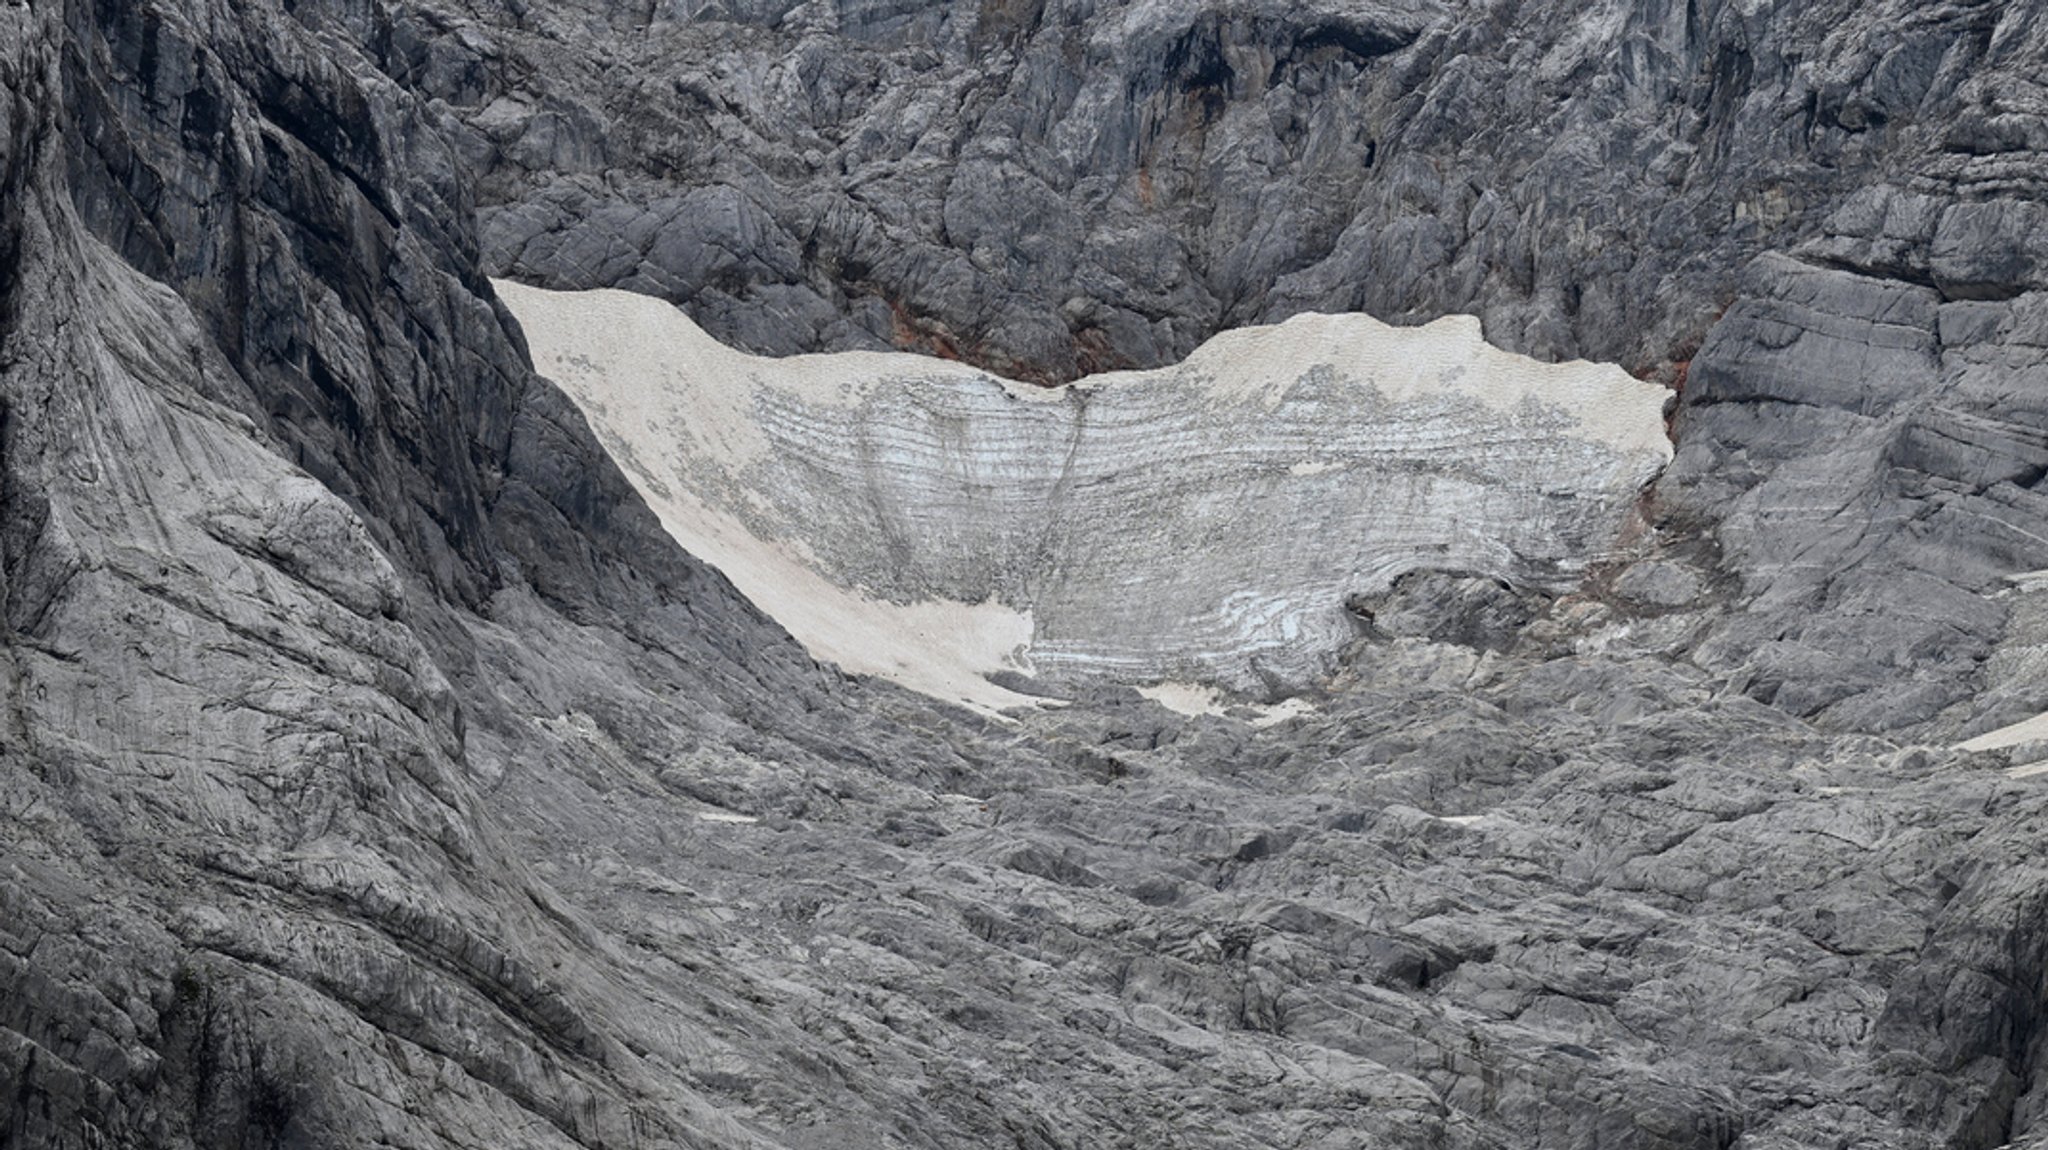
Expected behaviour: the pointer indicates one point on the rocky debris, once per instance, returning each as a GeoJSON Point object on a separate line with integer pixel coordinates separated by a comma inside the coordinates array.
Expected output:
{"type": "Point", "coordinates": [1659, 583]}
{"type": "Point", "coordinates": [1483, 612]}
{"type": "Point", "coordinates": [1526, 913]}
{"type": "Point", "coordinates": [377, 771]}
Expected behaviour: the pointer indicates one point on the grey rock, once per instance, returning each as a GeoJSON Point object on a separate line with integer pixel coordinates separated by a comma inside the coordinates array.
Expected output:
{"type": "Point", "coordinates": [376, 770]}
{"type": "Point", "coordinates": [1659, 583]}
{"type": "Point", "coordinates": [1470, 610]}
{"type": "Point", "coordinates": [1871, 472]}
{"type": "Point", "coordinates": [1051, 189]}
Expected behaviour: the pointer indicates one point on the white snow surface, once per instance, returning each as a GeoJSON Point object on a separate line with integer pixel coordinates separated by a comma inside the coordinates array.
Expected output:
{"type": "Point", "coordinates": [1198, 526]}
{"type": "Point", "coordinates": [2032, 730]}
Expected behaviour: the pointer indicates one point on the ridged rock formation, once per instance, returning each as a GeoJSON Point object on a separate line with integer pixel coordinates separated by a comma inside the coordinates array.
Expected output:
{"type": "Point", "coordinates": [1216, 522]}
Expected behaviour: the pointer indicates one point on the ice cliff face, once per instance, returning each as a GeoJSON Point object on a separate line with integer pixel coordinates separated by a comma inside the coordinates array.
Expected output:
{"type": "Point", "coordinates": [1213, 523]}
{"type": "Point", "coordinates": [376, 770]}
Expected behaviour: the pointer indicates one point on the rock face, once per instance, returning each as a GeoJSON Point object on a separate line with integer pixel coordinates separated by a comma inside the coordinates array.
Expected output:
{"type": "Point", "coordinates": [1049, 189]}
{"type": "Point", "coordinates": [375, 770]}
{"type": "Point", "coordinates": [1873, 561]}
{"type": "Point", "coordinates": [1210, 523]}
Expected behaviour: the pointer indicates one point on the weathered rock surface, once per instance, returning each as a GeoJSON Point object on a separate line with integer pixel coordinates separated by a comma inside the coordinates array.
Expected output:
{"type": "Point", "coordinates": [1048, 189]}
{"type": "Point", "coordinates": [1213, 523]}
{"type": "Point", "coordinates": [376, 771]}
{"type": "Point", "coordinates": [1872, 451]}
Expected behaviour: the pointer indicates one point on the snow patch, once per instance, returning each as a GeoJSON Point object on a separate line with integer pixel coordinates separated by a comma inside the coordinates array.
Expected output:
{"type": "Point", "coordinates": [2025, 731]}
{"type": "Point", "coordinates": [1193, 699]}
{"type": "Point", "coordinates": [932, 524]}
